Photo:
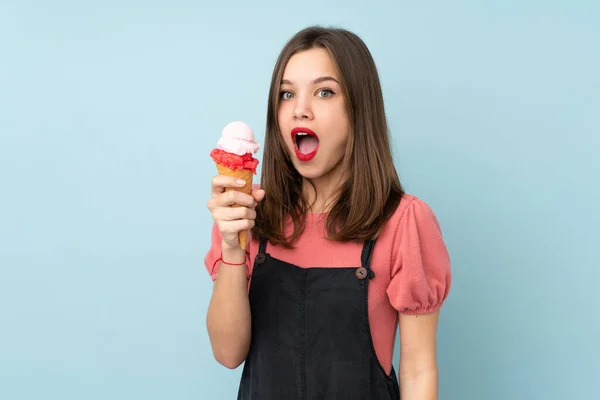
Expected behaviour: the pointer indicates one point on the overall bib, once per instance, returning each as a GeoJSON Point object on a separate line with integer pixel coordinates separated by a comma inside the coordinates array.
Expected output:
{"type": "Point", "coordinates": [311, 338]}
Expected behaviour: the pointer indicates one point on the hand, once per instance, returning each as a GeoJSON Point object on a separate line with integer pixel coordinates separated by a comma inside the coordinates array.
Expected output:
{"type": "Point", "coordinates": [232, 220]}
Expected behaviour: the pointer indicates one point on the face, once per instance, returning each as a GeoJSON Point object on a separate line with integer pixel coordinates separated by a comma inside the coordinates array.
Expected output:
{"type": "Point", "coordinates": [312, 114]}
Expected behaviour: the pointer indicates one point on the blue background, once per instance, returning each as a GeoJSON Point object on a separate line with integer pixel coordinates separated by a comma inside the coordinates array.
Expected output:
{"type": "Point", "coordinates": [108, 111]}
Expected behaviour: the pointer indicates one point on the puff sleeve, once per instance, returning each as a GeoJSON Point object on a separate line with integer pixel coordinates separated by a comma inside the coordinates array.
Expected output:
{"type": "Point", "coordinates": [420, 263]}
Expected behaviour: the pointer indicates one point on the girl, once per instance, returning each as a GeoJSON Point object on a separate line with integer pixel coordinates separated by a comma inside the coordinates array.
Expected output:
{"type": "Point", "coordinates": [340, 256]}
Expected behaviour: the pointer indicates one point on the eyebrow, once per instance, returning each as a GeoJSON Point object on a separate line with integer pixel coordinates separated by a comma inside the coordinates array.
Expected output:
{"type": "Point", "coordinates": [318, 80]}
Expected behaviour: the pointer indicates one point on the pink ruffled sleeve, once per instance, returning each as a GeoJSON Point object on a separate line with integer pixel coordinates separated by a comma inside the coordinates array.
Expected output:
{"type": "Point", "coordinates": [421, 274]}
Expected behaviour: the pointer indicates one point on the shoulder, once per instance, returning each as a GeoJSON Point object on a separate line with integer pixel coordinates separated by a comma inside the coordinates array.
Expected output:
{"type": "Point", "coordinates": [412, 225]}
{"type": "Point", "coordinates": [412, 209]}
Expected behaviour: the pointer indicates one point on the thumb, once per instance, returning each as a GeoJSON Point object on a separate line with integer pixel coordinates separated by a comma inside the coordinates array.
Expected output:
{"type": "Point", "coordinates": [258, 194]}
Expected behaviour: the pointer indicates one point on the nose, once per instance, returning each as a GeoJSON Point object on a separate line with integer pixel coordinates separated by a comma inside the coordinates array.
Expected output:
{"type": "Point", "coordinates": [302, 109]}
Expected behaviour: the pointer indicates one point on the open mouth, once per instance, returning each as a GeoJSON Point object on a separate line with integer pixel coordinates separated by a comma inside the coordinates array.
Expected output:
{"type": "Point", "coordinates": [306, 143]}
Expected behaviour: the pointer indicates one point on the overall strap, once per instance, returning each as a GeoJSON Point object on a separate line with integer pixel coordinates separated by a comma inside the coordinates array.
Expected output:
{"type": "Point", "coordinates": [365, 257]}
{"type": "Point", "coordinates": [262, 247]}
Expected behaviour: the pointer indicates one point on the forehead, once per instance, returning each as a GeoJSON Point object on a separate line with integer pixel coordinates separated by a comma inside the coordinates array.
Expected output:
{"type": "Point", "coordinates": [308, 65]}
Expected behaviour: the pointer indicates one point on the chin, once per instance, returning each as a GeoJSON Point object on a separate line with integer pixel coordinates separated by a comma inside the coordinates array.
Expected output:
{"type": "Point", "coordinates": [309, 172]}
{"type": "Point", "coordinates": [313, 171]}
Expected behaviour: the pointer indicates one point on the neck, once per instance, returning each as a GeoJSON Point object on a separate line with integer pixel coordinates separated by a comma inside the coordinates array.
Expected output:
{"type": "Point", "coordinates": [321, 192]}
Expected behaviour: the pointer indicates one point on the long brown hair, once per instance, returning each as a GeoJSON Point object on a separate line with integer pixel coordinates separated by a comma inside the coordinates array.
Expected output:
{"type": "Point", "coordinates": [372, 191]}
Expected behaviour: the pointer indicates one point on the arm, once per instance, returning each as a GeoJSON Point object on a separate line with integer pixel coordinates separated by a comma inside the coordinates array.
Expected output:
{"type": "Point", "coordinates": [228, 316]}
{"type": "Point", "coordinates": [421, 280]}
{"type": "Point", "coordinates": [417, 372]}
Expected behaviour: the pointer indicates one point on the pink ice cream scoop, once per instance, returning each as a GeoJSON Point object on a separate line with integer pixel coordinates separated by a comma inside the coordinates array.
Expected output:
{"type": "Point", "coordinates": [238, 138]}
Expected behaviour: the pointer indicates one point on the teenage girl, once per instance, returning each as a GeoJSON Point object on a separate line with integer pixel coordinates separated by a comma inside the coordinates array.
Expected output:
{"type": "Point", "coordinates": [340, 257]}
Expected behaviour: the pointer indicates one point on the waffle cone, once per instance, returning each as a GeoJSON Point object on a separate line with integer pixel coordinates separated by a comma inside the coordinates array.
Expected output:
{"type": "Point", "coordinates": [247, 188]}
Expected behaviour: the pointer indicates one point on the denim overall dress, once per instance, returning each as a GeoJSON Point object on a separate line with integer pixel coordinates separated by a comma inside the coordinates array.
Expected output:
{"type": "Point", "coordinates": [311, 338]}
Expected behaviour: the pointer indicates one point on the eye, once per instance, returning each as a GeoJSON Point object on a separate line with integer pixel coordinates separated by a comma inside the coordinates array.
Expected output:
{"type": "Point", "coordinates": [324, 93]}
{"type": "Point", "coordinates": [284, 95]}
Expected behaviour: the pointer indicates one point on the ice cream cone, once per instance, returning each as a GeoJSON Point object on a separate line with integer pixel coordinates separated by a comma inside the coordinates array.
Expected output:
{"type": "Point", "coordinates": [246, 175]}
{"type": "Point", "coordinates": [233, 157]}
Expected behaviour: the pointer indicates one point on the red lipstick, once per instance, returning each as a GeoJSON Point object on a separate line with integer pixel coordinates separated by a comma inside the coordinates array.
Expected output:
{"type": "Point", "coordinates": [301, 131]}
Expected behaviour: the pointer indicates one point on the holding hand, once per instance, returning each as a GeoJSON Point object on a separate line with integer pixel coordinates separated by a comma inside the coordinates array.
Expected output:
{"type": "Point", "coordinates": [233, 211]}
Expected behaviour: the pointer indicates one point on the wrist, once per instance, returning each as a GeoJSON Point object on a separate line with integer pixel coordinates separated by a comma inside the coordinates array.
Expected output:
{"type": "Point", "coordinates": [232, 255]}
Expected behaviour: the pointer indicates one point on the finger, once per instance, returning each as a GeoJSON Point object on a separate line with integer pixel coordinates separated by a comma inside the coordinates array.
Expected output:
{"type": "Point", "coordinates": [233, 213]}
{"type": "Point", "coordinates": [235, 197]}
{"type": "Point", "coordinates": [221, 182]}
{"type": "Point", "coordinates": [258, 194]}
{"type": "Point", "coordinates": [234, 227]}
